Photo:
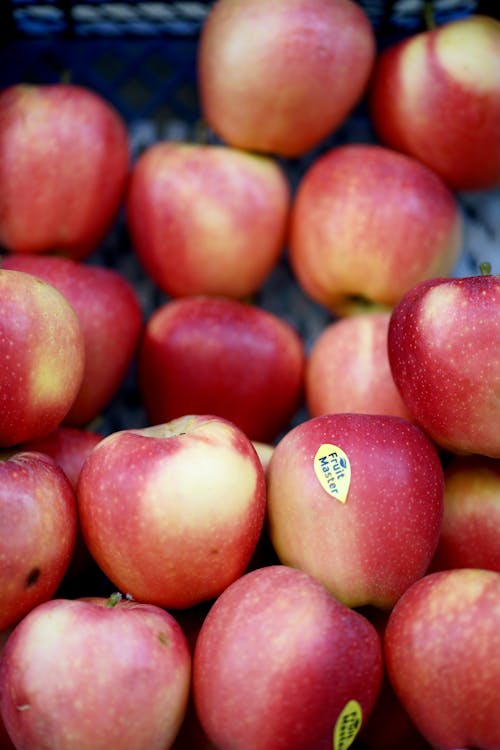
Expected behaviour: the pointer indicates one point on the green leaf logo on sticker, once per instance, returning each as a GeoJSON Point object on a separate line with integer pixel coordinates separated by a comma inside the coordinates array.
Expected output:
{"type": "Point", "coordinates": [347, 725]}
{"type": "Point", "coordinates": [333, 470]}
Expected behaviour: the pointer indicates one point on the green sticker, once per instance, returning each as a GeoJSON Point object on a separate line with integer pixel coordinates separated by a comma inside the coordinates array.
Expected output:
{"type": "Point", "coordinates": [347, 725]}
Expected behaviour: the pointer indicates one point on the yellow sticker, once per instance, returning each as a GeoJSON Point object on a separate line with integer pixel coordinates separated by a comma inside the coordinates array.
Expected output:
{"type": "Point", "coordinates": [333, 469]}
{"type": "Point", "coordinates": [347, 725]}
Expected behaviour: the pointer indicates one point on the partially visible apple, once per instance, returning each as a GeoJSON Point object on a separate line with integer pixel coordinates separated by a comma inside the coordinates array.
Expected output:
{"type": "Point", "coordinates": [42, 354]}
{"type": "Point", "coordinates": [172, 513]}
{"type": "Point", "coordinates": [436, 96]}
{"type": "Point", "coordinates": [347, 369]}
{"type": "Point", "coordinates": [444, 353]}
{"type": "Point", "coordinates": [279, 664]}
{"type": "Point", "coordinates": [64, 159]}
{"type": "Point", "coordinates": [97, 673]}
{"type": "Point", "coordinates": [367, 224]}
{"type": "Point", "coordinates": [38, 519]}
{"type": "Point", "coordinates": [207, 219]}
{"type": "Point", "coordinates": [470, 532]}
{"type": "Point", "coordinates": [442, 652]}
{"type": "Point", "coordinates": [69, 447]}
{"type": "Point", "coordinates": [214, 355]}
{"type": "Point", "coordinates": [111, 319]}
{"type": "Point", "coordinates": [5, 741]}
{"type": "Point", "coordinates": [356, 500]}
{"type": "Point", "coordinates": [281, 76]}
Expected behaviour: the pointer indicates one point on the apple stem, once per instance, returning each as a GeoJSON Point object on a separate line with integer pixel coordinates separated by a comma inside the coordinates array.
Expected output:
{"type": "Point", "coordinates": [113, 599]}
{"type": "Point", "coordinates": [485, 268]}
{"type": "Point", "coordinates": [429, 20]}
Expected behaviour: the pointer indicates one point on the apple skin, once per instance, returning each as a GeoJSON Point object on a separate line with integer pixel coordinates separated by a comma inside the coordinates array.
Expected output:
{"type": "Point", "coordinates": [436, 96]}
{"type": "Point", "coordinates": [43, 354]}
{"type": "Point", "coordinates": [443, 346]}
{"type": "Point", "coordinates": [38, 519]}
{"type": "Point", "coordinates": [442, 653]}
{"type": "Point", "coordinates": [172, 513]}
{"type": "Point", "coordinates": [347, 369]}
{"type": "Point", "coordinates": [207, 219]}
{"type": "Point", "coordinates": [111, 319]}
{"type": "Point", "coordinates": [279, 77]}
{"type": "Point", "coordinates": [214, 355]}
{"type": "Point", "coordinates": [369, 548]}
{"type": "Point", "coordinates": [64, 160]}
{"type": "Point", "coordinates": [68, 659]}
{"type": "Point", "coordinates": [69, 447]}
{"type": "Point", "coordinates": [5, 741]}
{"type": "Point", "coordinates": [277, 659]}
{"type": "Point", "coordinates": [470, 532]}
{"type": "Point", "coordinates": [367, 224]}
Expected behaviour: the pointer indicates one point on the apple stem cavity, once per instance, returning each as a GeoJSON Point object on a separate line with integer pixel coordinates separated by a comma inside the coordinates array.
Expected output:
{"type": "Point", "coordinates": [485, 268]}
{"type": "Point", "coordinates": [113, 599]}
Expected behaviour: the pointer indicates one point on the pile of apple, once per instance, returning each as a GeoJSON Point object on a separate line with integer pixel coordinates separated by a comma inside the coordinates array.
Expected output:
{"type": "Point", "coordinates": [272, 586]}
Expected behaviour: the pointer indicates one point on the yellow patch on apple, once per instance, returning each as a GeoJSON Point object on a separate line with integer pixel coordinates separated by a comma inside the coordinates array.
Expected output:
{"type": "Point", "coordinates": [469, 51]}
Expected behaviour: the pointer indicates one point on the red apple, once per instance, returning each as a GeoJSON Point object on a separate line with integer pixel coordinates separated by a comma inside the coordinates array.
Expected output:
{"type": "Point", "coordinates": [347, 369]}
{"type": "Point", "coordinates": [214, 355]}
{"type": "Point", "coordinates": [367, 224]}
{"type": "Point", "coordinates": [37, 532]}
{"type": "Point", "coordinates": [111, 319]}
{"type": "Point", "coordinates": [69, 447]}
{"type": "Point", "coordinates": [172, 513]}
{"type": "Point", "coordinates": [436, 96]}
{"type": "Point", "coordinates": [356, 500]}
{"type": "Point", "coordinates": [442, 651]}
{"type": "Point", "coordinates": [64, 158]}
{"type": "Point", "coordinates": [206, 219]}
{"type": "Point", "coordinates": [444, 349]}
{"type": "Point", "coordinates": [279, 77]}
{"type": "Point", "coordinates": [42, 354]}
{"type": "Point", "coordinates": [95, 674]}
{"type": "Point", "coordinates": [470, 532]}
{"type": "Point", "coordinates": [5, 741]}
{"type": "Point", "coordinates": [279, 664]}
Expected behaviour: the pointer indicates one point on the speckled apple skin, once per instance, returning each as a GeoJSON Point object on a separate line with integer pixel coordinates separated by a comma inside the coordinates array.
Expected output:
{"type": "Point", "coordinates": [370, 549]}
{"type": "Point", "coordinates": [444, 353]}
{"type": "Point", "coordinates": [38, 520]}
{"type": "Point", "coordinates": [249, 53]}
{"type": "Point", "coordinates": [172, 513]}
{"type": "Point", "coordinates": [436, 96]}
{"type": "Point", "coordinates": [80, 674]}
{"type": "Point", "coordinates": [442, 651]}
{"type": "Point", "coordinates": [277, 659]}
{"type": "Point", "coordinates": [64, 160]}
{"type": "Point", "coordinates": [213, 355]}
{"type": "Point", "coordinates": [42, 352]}
{"type": "Point", "coordinates": [367, 224]}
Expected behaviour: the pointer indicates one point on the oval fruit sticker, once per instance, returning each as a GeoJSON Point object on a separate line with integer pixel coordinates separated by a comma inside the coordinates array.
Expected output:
{"type": "Point", "coordinates": [333, 469]}
{"type": "Point", "coordinates": [347, 725]}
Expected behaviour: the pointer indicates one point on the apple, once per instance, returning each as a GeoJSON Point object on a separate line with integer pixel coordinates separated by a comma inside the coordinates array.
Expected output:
{"type": "Point", "coordinates": [443, 345]}
{"type": "Point", "coordinates": [470, 532]}
{"type": "Point", "coordinates": [442, 652]}
{"type": "Point", "coordinates": [356, 500]}
{"type": "Point", "coordinates": [97, 673]}
{"type": "Point", "coordinates": [367, 224]}
{"type": "Point", "coordinates": [64, 160]}
{"type": "Point", "coordinates": [5, 741]}
{"type": "Point", "coordinates": [43, 357]}
{"type": "Point", "coordinates": [347, 368]}
{"type": "Point", "coordinates": [172, 513]}
{"type": "Point", "coordinates": [38, 518]}
{"type": "Point", "coordinates": [280, 664]}
{"type": "Point", "coordinates": [69, 447]}
{"type": "Point", "coordinates": [280, 77]}
{"type": "Point", "coordinates": [435, 95]}
{"type": "Point", "coordinates": [215, 355]}
{"type": "Point", "coordinates": [207, 219]}
{"type": "Point", "coordinates": [111, 319]}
